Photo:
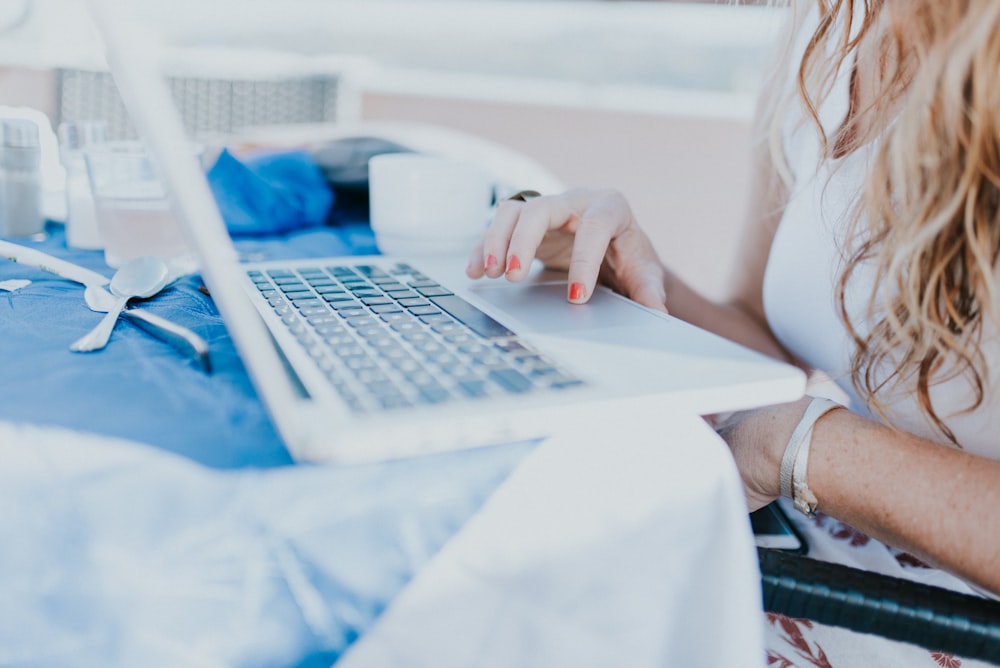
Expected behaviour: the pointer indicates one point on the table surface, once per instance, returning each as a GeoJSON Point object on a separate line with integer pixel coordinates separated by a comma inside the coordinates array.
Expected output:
{"type": "Point", "coordinates": [158, 515]}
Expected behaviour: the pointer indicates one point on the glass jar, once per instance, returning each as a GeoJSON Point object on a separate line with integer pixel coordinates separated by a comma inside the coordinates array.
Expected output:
{"type": "Point", "coordinates": [20, 179]}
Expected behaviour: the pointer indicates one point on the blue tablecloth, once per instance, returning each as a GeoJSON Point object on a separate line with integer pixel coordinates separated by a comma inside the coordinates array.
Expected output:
{"type": "Point", "coordinates": [197, 542]}
{"type": "Point", "coordinates": [138, 387]}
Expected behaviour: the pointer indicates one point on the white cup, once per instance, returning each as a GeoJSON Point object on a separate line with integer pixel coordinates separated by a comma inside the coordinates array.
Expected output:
{"type": "Point", "coordinates": [427, 205]}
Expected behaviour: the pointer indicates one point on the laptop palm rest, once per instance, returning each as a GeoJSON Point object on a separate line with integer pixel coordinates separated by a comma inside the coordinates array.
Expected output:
{"type": "Point", "coordinates": [610, 334]}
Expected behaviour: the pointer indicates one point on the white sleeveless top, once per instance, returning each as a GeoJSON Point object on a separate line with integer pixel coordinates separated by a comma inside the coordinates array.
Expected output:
{"type": "Point", "coordinates": [806, 259]}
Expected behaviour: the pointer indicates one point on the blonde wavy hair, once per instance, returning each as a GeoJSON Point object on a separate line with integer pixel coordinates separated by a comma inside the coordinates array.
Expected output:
{"type": "Point", "coordinates": [927, 219]}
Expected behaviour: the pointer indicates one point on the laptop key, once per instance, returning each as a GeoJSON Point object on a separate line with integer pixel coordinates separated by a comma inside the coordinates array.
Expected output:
{"type": "Point", "coordinates": [375, 335]}
{"type": "Point", "coordinates": [369, 375]}
{"type": "Point", "coordinates": [472, 317]}
{"type": "Point", "coordinates": [474, 389]}
{"type": "Point", "coordinates": [345, 351]}
{"type": "Point", "coordinates": [445, 326]}
{"type": "Point", "coordinates": [566, 384]}
{"type": "Point", "coordinates": [406, 325]}
{"type": "Point", "coordinates": [289, 281]}
{"type": "Point", "coordinates": [510, 380]}
{"type": "Point", "coordinates": [385, 308]}
{"type": "Point", "coordinates": [491, 363]}
{"type": "Point", "coordinates": [382, 387]}
{"type": "Point", "coordinates": [370, 270]}
{"type": "Point", "coordinates": [324, 318]}
{"type": "Point", "coordinates": [342, 304]}
{"type": "Point", "coordinates": [436, 291]}
{"type": "Point", "coordinates": [421, 378]}
{"type": "Point", "coordinates": [361, 320]}
{"type": "Point", "coordinates": [434, 394]}
{"type": "Point", "coordinates": [415, 338]}
{"type": "Point", "coordinates": [393, 401]}
{"type": "Point", "coordinates": [514, 346]}
{"type": "Point", "coordinates": [406, 365]}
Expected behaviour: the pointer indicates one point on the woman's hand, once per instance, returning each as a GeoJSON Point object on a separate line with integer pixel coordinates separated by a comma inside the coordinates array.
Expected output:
{"type": "Point", "coordinates": [591, 234]}
{"type": "Point", "coordinates": [757, 439]}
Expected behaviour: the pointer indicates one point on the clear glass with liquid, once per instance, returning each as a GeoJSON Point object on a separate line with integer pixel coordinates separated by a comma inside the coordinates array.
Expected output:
{"type": "Point", "coordinates": [134, 216]}
{"type": "Point", "coordinates": [135, 220]}
{"type": "Point", "coordinates": [81, 218]}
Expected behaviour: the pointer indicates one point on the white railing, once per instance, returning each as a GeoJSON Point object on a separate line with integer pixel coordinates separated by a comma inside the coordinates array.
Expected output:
{"type": "Point", "coordinates": [588, 52]}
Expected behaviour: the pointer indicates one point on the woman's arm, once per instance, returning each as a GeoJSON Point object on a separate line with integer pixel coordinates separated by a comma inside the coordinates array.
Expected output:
{"type": "Point", "coordinates": [933, 501]}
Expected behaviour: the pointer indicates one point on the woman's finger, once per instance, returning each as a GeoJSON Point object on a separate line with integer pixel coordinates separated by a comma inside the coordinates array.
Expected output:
{"type": "Point", "coordinates": [650, 292]}
{"type": "Point", "coordinates": [636, 269]}
{"type": "Point", "coordinates": [536, 219]}
{"type": "Point", "coordinates": [476, 268]}
{"type": "Point", "coordinates": [497, 237]}
{"type": "Point", "coordinates": [600, 222]}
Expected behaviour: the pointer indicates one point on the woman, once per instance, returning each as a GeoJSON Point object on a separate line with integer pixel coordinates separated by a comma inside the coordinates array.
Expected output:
{"type": "Point", "coordinates": [871, 255]}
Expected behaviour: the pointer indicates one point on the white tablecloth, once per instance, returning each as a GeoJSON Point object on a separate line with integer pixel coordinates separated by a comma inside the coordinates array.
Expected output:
{"type": "Point", "coordinates": [623, 542]}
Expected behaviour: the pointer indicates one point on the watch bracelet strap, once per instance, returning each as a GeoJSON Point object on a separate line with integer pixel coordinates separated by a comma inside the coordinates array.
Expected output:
{"type": "Point", "coordinates": [792, 475]}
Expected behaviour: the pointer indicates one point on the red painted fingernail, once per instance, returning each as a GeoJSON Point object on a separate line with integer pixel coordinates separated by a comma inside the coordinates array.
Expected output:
{"type": "Point", "coordinates": [513, 264]}
{"type": "Point", "coordinates": [491, 261]}
{"type": "Point", "coordinates": [576, 292]}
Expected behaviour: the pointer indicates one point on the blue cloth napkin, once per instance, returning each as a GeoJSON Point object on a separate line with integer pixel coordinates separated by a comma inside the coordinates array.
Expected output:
{"type": "Point", "coordinates": [270, 193]}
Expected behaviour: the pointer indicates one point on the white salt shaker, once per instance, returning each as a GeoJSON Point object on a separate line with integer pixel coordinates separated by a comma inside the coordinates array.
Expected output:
{"type": "Point", "coordinates": [20, 179]}
{"type": "Point", "coordinates": [81, 217]}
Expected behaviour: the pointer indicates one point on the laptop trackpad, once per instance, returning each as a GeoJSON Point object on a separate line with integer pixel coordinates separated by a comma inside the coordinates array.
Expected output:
{"type": "Point", "coordinates": [607, 320]}
{"type": "Point", "coordinates": [542, 308]}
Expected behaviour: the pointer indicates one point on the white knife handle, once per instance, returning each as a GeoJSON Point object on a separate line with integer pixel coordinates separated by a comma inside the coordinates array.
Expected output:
{"type": "Point", "coordinates": [36, 258]}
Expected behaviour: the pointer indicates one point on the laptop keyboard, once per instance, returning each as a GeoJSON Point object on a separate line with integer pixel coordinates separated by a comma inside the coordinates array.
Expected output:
{"type": "Point", "coordinates": [390, 337]}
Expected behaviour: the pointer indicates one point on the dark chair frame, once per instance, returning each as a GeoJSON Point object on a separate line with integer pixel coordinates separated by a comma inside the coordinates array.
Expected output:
{"type": "Point", "coordinates": [930, 617]}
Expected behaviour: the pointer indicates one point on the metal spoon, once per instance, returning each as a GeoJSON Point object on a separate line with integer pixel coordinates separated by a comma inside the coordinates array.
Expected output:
{"type": "Point", "coordinates": [183, 339]}
{"type": "Point", "coordinates": [101, 300]}
{"type": "Point", "coordinates": [141, 277]}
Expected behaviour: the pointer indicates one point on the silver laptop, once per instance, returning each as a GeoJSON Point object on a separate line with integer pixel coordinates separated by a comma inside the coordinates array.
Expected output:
{"type": "Point", "coordinates": [371, 358]}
